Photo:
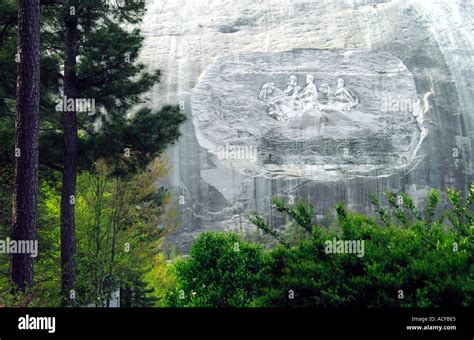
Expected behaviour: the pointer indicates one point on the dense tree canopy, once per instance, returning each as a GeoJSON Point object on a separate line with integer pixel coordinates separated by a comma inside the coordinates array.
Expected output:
{"type": "Point", "coordinates": [119, 129]}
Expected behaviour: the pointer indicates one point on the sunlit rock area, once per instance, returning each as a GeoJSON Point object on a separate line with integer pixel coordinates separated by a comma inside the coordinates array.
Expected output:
{"type": "Point", "coordinates": [323, 101]}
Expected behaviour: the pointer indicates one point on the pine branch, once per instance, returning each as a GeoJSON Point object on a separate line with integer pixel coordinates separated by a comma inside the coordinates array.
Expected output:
{"type": "Point", "coordinates": [384, 215]}
{"type": "Point", "coordinates": [399, 213]}
{"type": "Point", "coordinates": [262, 225]}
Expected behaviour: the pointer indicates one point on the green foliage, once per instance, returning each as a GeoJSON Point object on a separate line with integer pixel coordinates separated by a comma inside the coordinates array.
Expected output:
{"type": "Point", "coordinates": [118, 232]}
{"type": "Point", "coordinates": [262, 225]}
{"type": "Point", "coordinates": [160, 279]}
{"type": "Point", "coordinates": [431, 262]}
{"type": "Point", "coordinates": [119, 227]}
{"type": "Point", "coordinates": [428, 261]}
{"type": "Point", "coordinates": [135, 292]}
{"type": "Point", "coordinates": [302, 212]}
{"type": "Point", "coordinates": [383, 214]}
{"type": "Point", "coordinates": [222, 271]}
{"type": "Point", "coordinates": [109, 72]}
{"type": "Point", "coordinates": [461, 217]}
{"type": "Point", "coordinates": [397, 209]}
{"type": "Point", "coordinates": [17, 299]}
{"type": "Point", "coordinates": [410, 206]}
{"type": "Point", "coordinates": [431, 206]}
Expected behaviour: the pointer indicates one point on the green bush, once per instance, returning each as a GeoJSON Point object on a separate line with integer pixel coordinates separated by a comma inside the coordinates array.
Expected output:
{"type": "Point", "coordinates": [409, 260]}
{"type": "Point", "coordinates": [222, 271]}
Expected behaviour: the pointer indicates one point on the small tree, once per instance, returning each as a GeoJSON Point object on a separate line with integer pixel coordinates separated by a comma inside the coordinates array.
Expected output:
{"type": "Point", "coordinates": [120, 225]}
{"type": "Point", "coordinates": [222, 271]}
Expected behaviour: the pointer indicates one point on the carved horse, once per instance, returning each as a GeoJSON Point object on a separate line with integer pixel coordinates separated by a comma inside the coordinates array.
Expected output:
{"type": "Point", "coordinates": [280, 106]}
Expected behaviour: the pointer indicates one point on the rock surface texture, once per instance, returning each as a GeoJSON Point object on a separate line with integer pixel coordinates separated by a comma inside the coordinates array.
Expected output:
{"type": "Point", "coordinates": [405, 122]}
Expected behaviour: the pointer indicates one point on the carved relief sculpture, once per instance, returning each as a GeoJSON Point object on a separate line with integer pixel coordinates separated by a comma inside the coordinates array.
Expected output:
{"type": "Point", "coordinates": [292, 103]}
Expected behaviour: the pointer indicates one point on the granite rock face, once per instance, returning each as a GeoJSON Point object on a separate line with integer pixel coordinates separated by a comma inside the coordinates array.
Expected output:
{"type": "Point", "coordinates": [217, 55]}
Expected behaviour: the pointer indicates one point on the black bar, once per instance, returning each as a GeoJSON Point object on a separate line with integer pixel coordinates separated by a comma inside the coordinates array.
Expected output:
{"type": "Point", "coordinates": [244, 323]}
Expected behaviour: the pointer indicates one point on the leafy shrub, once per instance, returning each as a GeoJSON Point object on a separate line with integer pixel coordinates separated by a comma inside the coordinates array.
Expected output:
{"type": "Point", "coordinates": [222, 271]}
{"type": "Point", "coordinates": [410, 260]}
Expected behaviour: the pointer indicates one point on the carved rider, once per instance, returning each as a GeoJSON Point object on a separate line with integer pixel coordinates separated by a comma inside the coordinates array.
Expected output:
{"type": "Point", "coordinates": [309, 94]}
{"type": "Point", "coordinates": [324, 94]}
{"type": "Point", "coordinates": [344, 95]}
{"type": "Point", "coordinates": [292, 88]}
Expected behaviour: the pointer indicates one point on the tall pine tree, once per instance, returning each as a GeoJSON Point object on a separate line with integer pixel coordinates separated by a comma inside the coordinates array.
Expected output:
{"type": "Point", "coordinates": [107, 74]}
{"type": "Point", "coordinates": [26, 139]}
{"type": "Point", "coordinates": [69, 122]}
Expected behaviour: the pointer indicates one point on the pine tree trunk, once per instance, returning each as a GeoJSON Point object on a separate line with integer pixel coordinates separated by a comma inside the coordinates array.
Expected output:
{"type": "Point", "coordinates": [68, 227]}
{"type": "Point", "coordinates": [26, 139]}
